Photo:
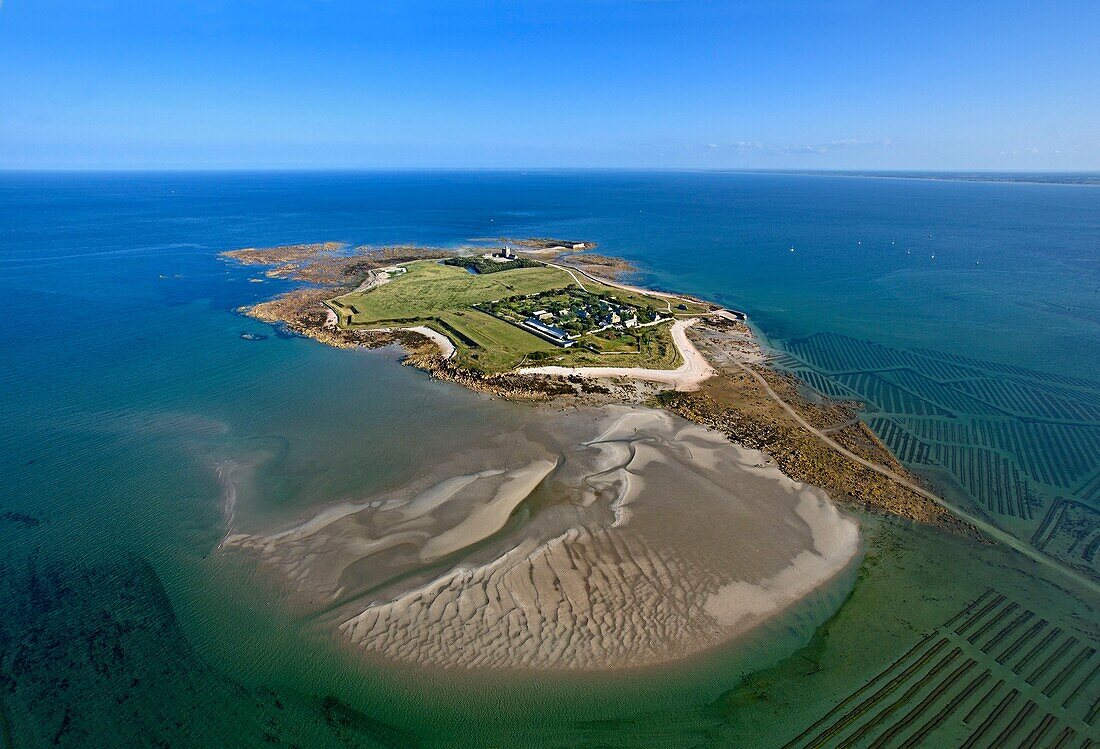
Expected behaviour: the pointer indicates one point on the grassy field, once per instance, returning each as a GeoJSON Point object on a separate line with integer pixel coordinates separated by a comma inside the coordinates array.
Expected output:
{"type": "Point", "coordinates": [442, 296]}
{"type": "Point", "coordinates": [653, 349]}
{"type": "Point", "coordinates": [429, 288]}
{"type": "Point", "coordinates": [638, 299]}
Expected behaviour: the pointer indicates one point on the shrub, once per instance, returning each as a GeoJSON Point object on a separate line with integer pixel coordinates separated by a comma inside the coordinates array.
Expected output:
{"type": "Point", "coordinates": [482, 265]}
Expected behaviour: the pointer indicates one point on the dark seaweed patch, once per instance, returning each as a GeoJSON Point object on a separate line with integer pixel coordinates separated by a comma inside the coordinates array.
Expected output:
{"type": "Point", "coordinates": [19, 518]}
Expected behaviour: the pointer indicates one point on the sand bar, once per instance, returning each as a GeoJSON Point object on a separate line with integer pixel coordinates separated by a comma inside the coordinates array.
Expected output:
{"type": "Point", "coordinates": [643, 539]}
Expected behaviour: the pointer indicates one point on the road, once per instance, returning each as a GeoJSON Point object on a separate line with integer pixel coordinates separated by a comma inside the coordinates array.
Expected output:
{"type": "Point", "coordinates": [608, 282]}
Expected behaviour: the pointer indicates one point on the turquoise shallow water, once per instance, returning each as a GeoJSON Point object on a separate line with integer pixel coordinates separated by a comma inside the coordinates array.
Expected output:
{"type": "Point", "coordinates": [127, 383]}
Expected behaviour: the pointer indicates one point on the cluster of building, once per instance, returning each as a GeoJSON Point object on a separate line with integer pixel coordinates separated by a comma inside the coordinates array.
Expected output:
{"type": "Point", "coordinates": [592, 315]}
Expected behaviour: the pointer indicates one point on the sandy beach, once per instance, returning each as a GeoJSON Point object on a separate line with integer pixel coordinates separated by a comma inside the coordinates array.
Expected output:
{"type": "Point", "coordinates": [446, 347]}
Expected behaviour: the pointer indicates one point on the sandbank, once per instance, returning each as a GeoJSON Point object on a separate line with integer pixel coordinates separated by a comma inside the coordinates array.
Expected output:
{"type": "Point", "coordinates": [603, 538]}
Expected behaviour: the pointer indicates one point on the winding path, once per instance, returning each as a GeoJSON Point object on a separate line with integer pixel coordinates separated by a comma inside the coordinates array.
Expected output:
{"type": "Point", "coordinates": [687, 376]}
{"type": "Point", "coordinates": [608, 282]}
{"type": "Point", "coordinates": [571, 273]}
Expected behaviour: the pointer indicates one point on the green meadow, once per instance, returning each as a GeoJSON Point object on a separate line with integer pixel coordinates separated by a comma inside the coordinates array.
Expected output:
{"type": "Point", "coordinates": [442, 297]}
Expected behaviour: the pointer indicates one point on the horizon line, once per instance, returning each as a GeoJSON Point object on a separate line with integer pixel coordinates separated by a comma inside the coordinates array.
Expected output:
{"type": "Point", "coordinates": [412, 168]}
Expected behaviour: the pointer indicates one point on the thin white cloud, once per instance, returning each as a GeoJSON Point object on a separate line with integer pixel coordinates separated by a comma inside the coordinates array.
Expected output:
{"type": "Point", "coordinates": [835, 145]}
{"type": "Point", "coordinates": [807, 148]}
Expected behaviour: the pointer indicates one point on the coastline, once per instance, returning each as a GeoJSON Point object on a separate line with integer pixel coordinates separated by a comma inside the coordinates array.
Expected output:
{"type": "Point", "coordinates": [913, 498]}
{"type": "Point", "coordinates": [640, 554]}
{"type": "Point", "coordinates": [728, 353]}
{"type": "Point", "coordinates": [712, 388]}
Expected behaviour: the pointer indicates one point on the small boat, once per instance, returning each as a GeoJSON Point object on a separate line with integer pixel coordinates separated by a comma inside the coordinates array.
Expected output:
{"type": "Point", "coordinates": [792, 248]}
{"type": "Point", "coordinates": [908, 252]}
{"type": "Point", "coordinates": [933, 256]}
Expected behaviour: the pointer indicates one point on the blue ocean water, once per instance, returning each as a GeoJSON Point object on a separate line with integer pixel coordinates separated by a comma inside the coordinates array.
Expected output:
{"type": "Point", "coordinates": [125, 378]}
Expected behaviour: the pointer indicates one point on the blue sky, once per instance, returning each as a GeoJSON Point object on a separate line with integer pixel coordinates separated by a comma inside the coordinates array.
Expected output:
{"type": "Point", "coordinates": [603, 83]}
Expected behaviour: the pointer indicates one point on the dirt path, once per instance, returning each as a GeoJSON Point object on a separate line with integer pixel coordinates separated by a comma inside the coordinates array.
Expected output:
{"type": "Point", "coordinates": [373, 280]}
{"type": "Point", "coordinates": [446, 347]}
{"type": "Point", "coordinates": [625, 287]}
{"type": "Point", "coordinates": [571, 273]}
{"type": "Point", "coordinates": [687, 376]}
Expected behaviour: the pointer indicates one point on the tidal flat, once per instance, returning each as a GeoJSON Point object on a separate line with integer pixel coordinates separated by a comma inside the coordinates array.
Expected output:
{"type": "Point", "coordinates": [590, 539]}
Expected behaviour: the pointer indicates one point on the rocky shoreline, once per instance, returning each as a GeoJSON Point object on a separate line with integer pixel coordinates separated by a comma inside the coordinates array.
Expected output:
{"type": "Point", "coordinates": [604, 265]}
{"type": "Point", "coordinates": [736, 405]}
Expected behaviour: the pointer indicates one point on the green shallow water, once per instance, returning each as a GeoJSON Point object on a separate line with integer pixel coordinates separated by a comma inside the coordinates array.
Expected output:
{"type": "Point", "coordinates": [109, 647]}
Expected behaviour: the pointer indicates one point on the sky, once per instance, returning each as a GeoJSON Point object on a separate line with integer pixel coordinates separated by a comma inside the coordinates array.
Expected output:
{"type": "Point", "coordinates": [754, 84]}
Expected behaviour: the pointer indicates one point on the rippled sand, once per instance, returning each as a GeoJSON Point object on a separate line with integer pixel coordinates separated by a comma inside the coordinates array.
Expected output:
{"type": "Point", "coordinates": [596, 539]}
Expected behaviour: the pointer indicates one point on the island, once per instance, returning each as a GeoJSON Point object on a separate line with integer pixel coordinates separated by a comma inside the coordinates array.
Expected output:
{"type": "Point", "coordinates": [669, 493]}
{"type": "Point", "coordinates": [502, 313]}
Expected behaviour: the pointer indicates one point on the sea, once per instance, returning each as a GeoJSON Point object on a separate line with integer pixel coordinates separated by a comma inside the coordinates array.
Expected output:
{"type": "Point", "coordinates": [963, 314]}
